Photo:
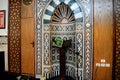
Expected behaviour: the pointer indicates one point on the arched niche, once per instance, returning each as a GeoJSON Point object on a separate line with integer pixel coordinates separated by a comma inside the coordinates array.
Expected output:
{"type": "Point", "coordinates": [65, 19]}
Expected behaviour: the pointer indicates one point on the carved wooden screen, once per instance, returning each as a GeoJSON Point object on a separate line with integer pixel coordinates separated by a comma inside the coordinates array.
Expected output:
{"type": "Point", "coordinates": [117, 40]}
{"type": "Point", "coordinates": [81, 36]}
{"type": "Point", "coordinates": [14, 46]}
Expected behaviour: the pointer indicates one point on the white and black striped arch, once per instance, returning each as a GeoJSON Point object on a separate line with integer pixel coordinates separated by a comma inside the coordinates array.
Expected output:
{"type": "Point", "coordinates": [71, 4]}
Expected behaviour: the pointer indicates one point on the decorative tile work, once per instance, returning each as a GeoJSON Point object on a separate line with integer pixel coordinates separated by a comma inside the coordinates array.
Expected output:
{"type": "Point", "coordinates": [40, 8]}
{"type": "Point", "coordinates": [88, 42]}
{"type": "Point", "coordinates": [88, 52]}
{"type": "Point", "coordinates": [79, 44]}
{"type": "Point", "coordinates": [14, 36]}
{"type": "Point", "coordinates": [70, 70]}
{"type": "Point", "coordinates": [64, 34]}
{"type": "Point", "coordinates": [47, 72]}
{"type": "Point", "coordinates": [40, 5]}
{"type": "Point", "coordinates": [55, 70]}
{"type": "Point", "coordinates": [61, 11]}
{"type": "Point", "coordinates": [62, 14]}
{"type": "Point", "coordinates": [46, 48]}
{"type": "Point", "coordinates": [39, 50]}
{"type": "Point", "coordinates": [79, 30]}
{"type": "Point", "coordinates": [117, 25]}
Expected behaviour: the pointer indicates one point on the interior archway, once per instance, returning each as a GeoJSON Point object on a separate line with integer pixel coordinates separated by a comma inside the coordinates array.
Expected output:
{"type": "Point", "coordinates": [62, 24]}
{"type": "Point", "coordinates": [64, 19]}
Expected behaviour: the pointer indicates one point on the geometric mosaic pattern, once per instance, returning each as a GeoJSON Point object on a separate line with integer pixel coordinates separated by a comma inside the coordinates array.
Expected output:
{"type": "Point", "coordinates": [65, 33]}
{"type": "Point", "coordinates": [52, 21]}
{"type": "Point", "coordinates": [14, 36]}
{"type": "Point", "coordinates": [117, 36]}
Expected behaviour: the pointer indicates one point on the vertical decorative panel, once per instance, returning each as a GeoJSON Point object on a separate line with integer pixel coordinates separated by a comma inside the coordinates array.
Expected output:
{"type": "Point", "coordinates": [40, 5]}
{"type": "Point", "coordinates": [14, 36]}
{"type": "Point", "coordinates": [88, 39]}
{"type": "Point", "coordinates": [117, 36]}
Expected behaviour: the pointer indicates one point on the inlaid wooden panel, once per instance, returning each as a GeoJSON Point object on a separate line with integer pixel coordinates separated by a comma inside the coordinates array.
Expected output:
{"type": "Point", "coordinates": [103, 39]}
{"type": "Point", "coordinates": [117, 40]}
{"type": "Point", "coordinates": [14, 28]}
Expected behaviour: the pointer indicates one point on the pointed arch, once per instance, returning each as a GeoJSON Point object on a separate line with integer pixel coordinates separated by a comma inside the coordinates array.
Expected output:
{"type": "Point", "coordinates": [72, 4]}
{"type": "Point", "coordinates": [82, 37]}
{"type": "Point", "coordinates": [62, 15]}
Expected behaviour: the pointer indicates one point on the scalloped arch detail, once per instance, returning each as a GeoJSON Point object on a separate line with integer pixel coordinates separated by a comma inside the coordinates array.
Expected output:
{"type": "Point", "coordinates": [72, 4]}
